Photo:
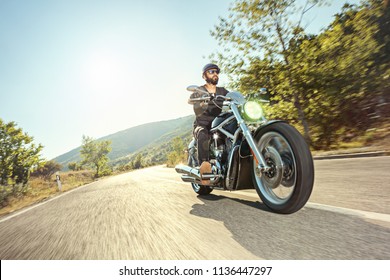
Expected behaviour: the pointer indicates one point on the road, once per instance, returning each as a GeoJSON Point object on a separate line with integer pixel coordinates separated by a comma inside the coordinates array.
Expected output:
{"type": "Point", "coordinates": [151, 214]}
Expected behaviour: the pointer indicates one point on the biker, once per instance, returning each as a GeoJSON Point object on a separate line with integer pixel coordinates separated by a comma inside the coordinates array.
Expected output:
{"type": "Point", "coordinates": [205, 113]}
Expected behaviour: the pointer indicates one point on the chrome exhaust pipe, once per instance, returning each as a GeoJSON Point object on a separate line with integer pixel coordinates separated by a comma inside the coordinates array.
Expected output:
{"type": "Point", "coordinates": [189, 179]}
{"type": "Point", "coordinates": [189, 171]}
{"type": "Point", "coordinates": [192, 175]}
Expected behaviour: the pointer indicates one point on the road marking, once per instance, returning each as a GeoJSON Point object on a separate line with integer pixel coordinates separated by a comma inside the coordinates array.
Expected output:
{"type": "Point", "coordinates": [348, 211]}
{"type": "Point", "coordinates": [336, 209]}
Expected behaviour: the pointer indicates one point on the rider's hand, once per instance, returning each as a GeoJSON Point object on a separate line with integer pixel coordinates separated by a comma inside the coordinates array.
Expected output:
{"type": "Point", "coordinates": [203, 104]}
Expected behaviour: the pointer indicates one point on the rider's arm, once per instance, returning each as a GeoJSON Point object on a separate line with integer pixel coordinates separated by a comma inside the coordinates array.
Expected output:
{"type": "Point", "coordinates": [217, 103]}
{"type": "Point", "coordinates": [199, 107]}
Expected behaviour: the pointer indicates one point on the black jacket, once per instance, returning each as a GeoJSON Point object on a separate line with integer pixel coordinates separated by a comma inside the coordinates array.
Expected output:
{"type": "Point", "coordinates": [206, 114]}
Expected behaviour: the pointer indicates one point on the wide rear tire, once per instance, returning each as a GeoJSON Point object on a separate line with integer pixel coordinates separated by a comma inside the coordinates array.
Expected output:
{"type": "Point", "coordinates": [193, 162]}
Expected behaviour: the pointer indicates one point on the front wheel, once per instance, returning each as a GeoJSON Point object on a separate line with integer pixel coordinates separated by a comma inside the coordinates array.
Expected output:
{"type": "Point", "coordinates": [287, 186]}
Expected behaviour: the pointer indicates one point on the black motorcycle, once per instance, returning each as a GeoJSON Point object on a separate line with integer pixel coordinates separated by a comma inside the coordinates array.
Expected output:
{"type": "Point", "coordinates": [248, 151]}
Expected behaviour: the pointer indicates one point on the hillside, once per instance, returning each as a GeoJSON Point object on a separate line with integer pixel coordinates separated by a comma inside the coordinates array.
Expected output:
{"type": "Point", "coordinates": [136, 139]}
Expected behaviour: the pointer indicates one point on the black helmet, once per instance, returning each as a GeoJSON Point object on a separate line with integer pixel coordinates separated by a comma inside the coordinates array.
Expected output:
{"type": "Point", "coordinates": [210, 66]}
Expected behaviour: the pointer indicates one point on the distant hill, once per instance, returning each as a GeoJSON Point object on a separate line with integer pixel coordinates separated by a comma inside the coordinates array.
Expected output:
{"type": "Point", "coordinates": [150, 139]}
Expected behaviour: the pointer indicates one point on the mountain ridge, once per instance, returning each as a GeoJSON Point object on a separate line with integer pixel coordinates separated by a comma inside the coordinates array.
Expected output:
{"type": "Point", "coordinates": [129, 141]}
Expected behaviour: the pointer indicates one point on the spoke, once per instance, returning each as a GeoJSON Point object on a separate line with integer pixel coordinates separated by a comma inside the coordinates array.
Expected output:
{"type": "Point", "coordinates": [278, 183]}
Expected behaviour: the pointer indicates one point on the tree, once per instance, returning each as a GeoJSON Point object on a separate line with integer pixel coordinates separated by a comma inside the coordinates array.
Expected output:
{"type": "Point", "coordinates": [261, 34]}
{"type": "Point", "coordinates": [95, 154]}
{"type": "Point", "coordinates": [177, 155]}
{"type": "Point", "coordinates": [324, 83]}
{"type": "Point", "coordinates": [137, 162]}
{"type": "Point", "coordinates": [47, 169]}
{"type": "Point", "coordinates": [18, 157]}
{"type": "Point", "coordinates": [74, 166]}
{"type": "Point", "coordinates": [349, 75]}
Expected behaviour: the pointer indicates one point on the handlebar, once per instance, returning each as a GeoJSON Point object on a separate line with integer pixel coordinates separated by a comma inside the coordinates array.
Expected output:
{"type": "Point", "coordinates": [200, 99]}
{"type": "Point", "coordinates": [206, 99]}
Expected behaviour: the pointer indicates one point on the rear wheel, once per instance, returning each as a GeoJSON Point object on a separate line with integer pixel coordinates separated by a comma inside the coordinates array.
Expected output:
{"type": "Point", "coordinates": [287, 186]}
{"type": "Point", "coordinates": [201, 189]}
{"type": "Point", "coordinates": [193, 162]}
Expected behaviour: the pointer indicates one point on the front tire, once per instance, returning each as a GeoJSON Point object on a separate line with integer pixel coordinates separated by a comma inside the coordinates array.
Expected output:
{"type": "Point", "coordinates": [287, 186]}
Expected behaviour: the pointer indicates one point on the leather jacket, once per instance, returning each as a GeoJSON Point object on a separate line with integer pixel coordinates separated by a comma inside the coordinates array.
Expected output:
{"type": "Point", "coordinates": [206, 113]}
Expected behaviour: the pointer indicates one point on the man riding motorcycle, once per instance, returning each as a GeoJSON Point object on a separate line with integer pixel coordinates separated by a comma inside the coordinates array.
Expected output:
{"type": "Point", "coordinates": [249, 151]}
{"type": "Point", "coordinates": [205, 114]}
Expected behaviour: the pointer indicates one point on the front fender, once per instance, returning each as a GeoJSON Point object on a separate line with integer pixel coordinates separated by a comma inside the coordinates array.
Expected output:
{"type": "Point", "coordinates": [245, 174]}
{"type": "Point", "coordinates": [260, 128]}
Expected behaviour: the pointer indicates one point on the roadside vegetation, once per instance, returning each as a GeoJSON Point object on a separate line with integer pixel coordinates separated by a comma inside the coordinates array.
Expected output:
{"type": "Point", "coordinates": [178, 153]}
{"type": "Point", "coordinates": [26, 178]}
{"type": "Point", "coordinates": [39, 189]}
{"type": "Point", "coordinates": [334, 86]}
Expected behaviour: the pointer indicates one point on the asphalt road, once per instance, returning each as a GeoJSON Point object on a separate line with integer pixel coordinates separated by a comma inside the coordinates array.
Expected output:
{"type": "Point", "coordinates": [151, 214]}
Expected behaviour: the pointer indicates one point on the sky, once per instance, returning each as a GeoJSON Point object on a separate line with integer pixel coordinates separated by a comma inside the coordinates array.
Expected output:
{"type": "Point", "coordinates": [93, 67]}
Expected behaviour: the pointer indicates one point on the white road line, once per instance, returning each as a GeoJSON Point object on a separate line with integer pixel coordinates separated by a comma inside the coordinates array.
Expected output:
{"type": "Point", "coordinates": [336, 209]}
{"type": "Point", "coordinates": [348, 211]}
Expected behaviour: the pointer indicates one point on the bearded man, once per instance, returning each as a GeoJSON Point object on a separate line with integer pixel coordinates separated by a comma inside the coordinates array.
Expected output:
{"type": "Point", "coordinates": [206, 112]}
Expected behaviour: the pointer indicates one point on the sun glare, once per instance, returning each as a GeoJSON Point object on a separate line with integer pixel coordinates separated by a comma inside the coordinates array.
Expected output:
{"type": "Point", "coordinates": [102, 71]}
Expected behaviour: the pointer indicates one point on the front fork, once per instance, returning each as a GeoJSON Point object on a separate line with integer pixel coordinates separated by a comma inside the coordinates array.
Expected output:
{"type": "Point", "coordinates": [261, 164]}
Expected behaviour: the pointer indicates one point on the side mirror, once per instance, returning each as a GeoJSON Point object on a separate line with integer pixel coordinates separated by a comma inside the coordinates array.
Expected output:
{"type": "Point", "coordinates": [192, 88]}
{"type": "Point", "coordinates": [196, 89]}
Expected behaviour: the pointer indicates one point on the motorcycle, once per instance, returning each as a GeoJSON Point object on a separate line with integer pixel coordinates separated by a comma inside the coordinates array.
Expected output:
{"type": "Point", "coordinates": [248, 151]}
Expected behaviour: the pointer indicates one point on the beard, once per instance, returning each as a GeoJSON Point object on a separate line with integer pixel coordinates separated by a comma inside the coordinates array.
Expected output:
{"type": "Point", "coordinates": [213, 80]}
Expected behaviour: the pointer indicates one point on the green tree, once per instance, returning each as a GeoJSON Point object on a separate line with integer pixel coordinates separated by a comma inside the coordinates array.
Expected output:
{"type": "Point", "coordinates": [18, 157]}
{"type": "Point", "coordinates": [95, 154]}
{"type": "Point", "coordinates": [348, 74]}
{"type": "Point", "coordinates": [261, 34]}
{"type": "Point", "coordinates": [323, 83]}
{"type": "Point", "coordinates": [74, 166]}
{"type": "Point", "coordinates": [137, 163]}
{"type": "Point", "coordinates": [177, 154]}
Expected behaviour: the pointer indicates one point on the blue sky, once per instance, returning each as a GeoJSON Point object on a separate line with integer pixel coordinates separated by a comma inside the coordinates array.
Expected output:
{"type": "Point", "coordinates": [73, 68]}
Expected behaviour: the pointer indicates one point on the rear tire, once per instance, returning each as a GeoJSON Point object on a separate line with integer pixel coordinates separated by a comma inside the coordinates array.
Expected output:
{"type": "Point", "coordinates": [193, 162]}
{"type": "Point", "coordinates": [201, 189]}
{"type": "Point", "coordinates": [288, 185]}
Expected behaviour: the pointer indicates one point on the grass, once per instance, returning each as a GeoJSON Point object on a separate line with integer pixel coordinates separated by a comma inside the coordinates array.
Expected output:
{"type": "Point", "coordinates": [39, 190]}
{"type": "Point", "coordinates": [374, 139]}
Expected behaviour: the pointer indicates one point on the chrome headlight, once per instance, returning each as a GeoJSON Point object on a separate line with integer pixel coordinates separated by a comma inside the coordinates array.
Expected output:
{"type": "Point", "coordinates": [252, 111]}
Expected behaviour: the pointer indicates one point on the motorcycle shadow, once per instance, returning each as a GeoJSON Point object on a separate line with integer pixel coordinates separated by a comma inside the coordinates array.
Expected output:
{"type": "Point", "coordinates": [307, 234]}
{"type": "Point", "coordinates": [241, 217]}
{"type": "Point", "coordinates": [254, 204]}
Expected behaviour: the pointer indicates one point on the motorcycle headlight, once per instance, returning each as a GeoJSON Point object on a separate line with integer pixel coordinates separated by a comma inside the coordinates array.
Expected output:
{"type": "Point", "coordinates": [252, 111]}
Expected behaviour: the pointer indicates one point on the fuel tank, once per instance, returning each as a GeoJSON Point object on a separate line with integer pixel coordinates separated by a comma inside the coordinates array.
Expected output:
{"type": "Point", "coordinates": [230, 126]}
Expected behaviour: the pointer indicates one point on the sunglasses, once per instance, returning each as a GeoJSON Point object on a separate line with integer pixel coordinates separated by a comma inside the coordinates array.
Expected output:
{"type": "Point", "coordinates": [213, 71]}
